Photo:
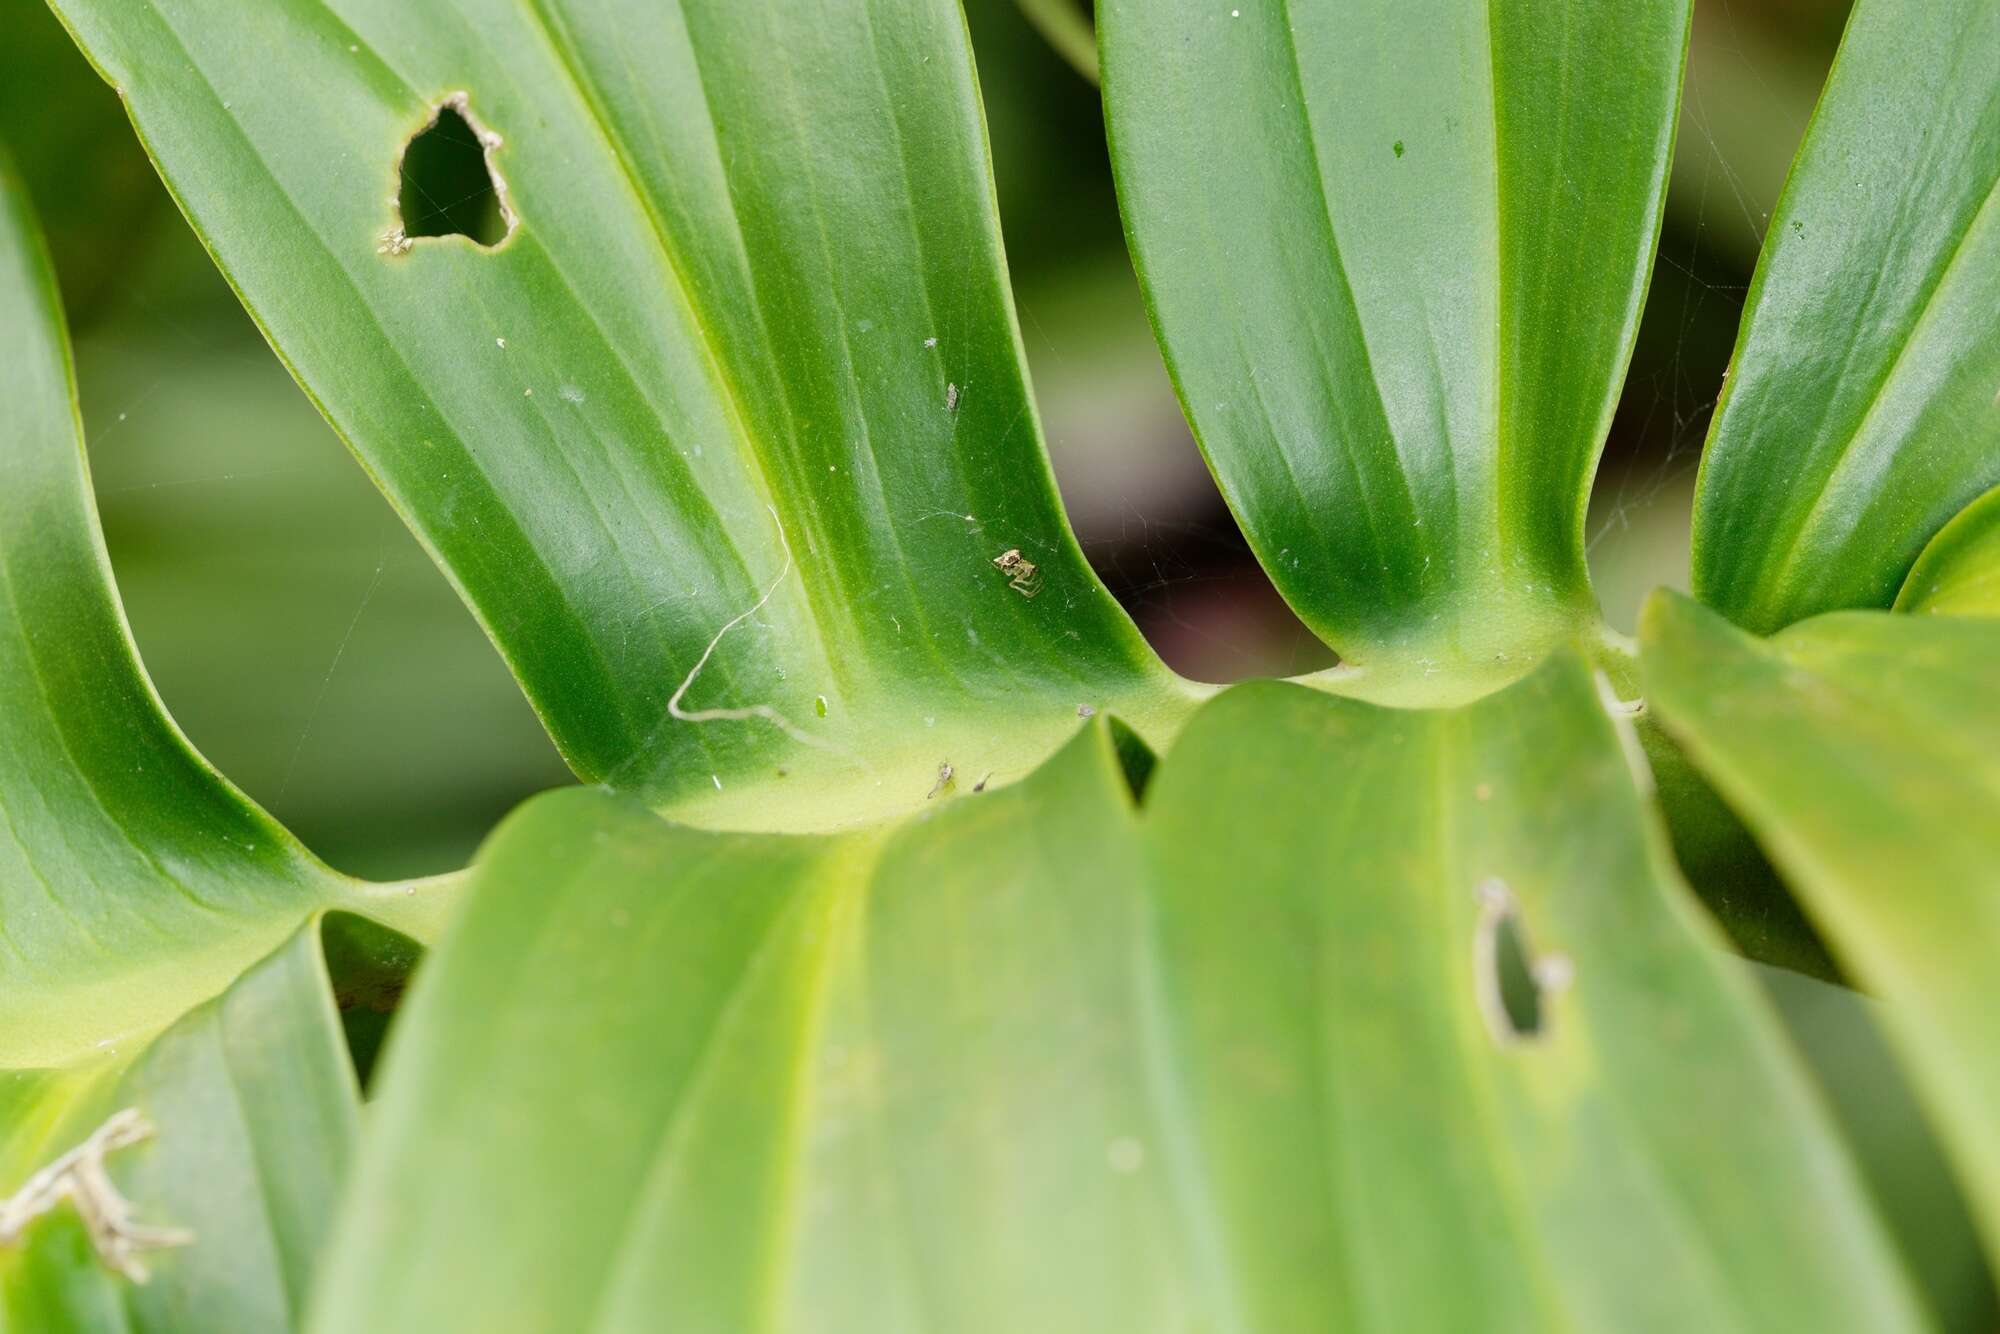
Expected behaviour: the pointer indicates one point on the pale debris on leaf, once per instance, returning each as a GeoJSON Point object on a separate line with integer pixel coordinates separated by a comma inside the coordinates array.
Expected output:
{"type": "Point", "coordinates": [80, 1177]}
{"type": "Point", "coordinates": [1023, 575]}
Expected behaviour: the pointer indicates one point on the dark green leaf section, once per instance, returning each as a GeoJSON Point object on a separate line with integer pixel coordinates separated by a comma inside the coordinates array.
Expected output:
{"type": "Point", "coordinates": [1237, 1060]}
{"type": "Point", "coordinates": [723, 441]}
{"type": "Point", "coordinates": [256, 1117]}
{"type": "Point", "coordinates": [1395, 253]}
{"type": "Point", "coordinates": [1958, 573]}
{"type": "Point", "coordinates": [1860, 747]}
{"type": "Point", "coordinates": [1863, 404]}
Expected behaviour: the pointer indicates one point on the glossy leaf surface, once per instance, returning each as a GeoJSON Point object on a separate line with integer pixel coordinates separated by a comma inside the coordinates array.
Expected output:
{"type": "Point", "coordinates": [1395, 254]}
{"type": "Point", "coordinates": [1235, 1059]}
{"type": "Point", "coordinates": [135, 884]}
{"type": "Point", "coordinates": [1861, 748]}
{"type": "Point", "coordinates": [1958, 573]}
{"type": "Point", "coordinates": [723, 441]}
{"type": "Point", "coordinates": [1862, 408]}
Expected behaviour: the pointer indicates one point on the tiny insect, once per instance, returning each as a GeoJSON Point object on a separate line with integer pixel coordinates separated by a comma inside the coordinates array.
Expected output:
{"type": "Point", "coordinates": [943, 780]}
{"type": "Point", "coordinates": [951, 398]}
{"type": "Point", "coordinates": [1023, 575]}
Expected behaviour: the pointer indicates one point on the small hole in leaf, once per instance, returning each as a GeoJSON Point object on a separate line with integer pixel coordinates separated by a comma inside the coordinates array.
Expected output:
{"type": "Point", "coordinates": [448, 184]}
{"type": "Point", "coordinates": [1514, 987]}
{"type": "Point", "coordinates": [1520, 998]}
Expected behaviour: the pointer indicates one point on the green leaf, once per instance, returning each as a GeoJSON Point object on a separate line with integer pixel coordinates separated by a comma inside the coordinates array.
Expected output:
{"type": "Point", "coordinates": [1234, 1059]}
{"type": "Point", "coordinates": [1860, 748]}
{"type": "Point", "coordinates": [256, 1115]}
{"type": "Point", "coordinates": [756, 274]}
{"type": "Point", "coordinates": [135, 883]}
{"type": "Point", "coordinates": [1395, 254]}
{"type": "Point", "coordinates": [1839, 1032]}
{"type": "Point", "coordinates": [1958, 573]}
{"type": "Point", "coordinates": [1861, 410]}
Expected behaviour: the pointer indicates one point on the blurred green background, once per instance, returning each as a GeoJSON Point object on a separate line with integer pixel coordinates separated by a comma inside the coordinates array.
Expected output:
{"type": "Point", "coordinates": [311, 650]}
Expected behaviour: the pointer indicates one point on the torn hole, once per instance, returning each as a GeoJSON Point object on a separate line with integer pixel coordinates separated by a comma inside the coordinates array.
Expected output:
{"type": "Point", "coordinates": [1514, 987]}
{"type": "Point", "coordinates": [448, 184]}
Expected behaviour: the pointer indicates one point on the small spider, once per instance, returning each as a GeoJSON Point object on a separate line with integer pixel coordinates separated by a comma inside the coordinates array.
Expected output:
{"type": "Point", "coordinates": [1023, 575]}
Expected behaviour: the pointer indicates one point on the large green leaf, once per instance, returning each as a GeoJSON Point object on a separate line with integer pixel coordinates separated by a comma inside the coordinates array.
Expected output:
{"type": "Point", "coordinates": [723, 441]}
{"type": "Point", "coordinates": [1958, 573]}
{"type": "Point", "coordinates": [1395, 254]}
{"type": "Point", "coordinates": [1860, 412]}
{"type": "Point", "coordinates": [1235, 1059]}
{"type": "Point", "coordinates": [1861, 748]}
{"type": "Point", "coordinates": [135, 884]}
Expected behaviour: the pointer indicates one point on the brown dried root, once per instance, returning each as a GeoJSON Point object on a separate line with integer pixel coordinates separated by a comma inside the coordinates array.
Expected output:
{"type": "Point", "coordinates": [79, 1176]}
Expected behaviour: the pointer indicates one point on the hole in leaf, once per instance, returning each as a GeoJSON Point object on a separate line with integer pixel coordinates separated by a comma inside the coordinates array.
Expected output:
{"type": "Point", "coordinates": [1513, 986]}
{"type": "Point", "coordinates": [449, 187]}
{"type": "Point", "coordinates": [1520, 998]}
